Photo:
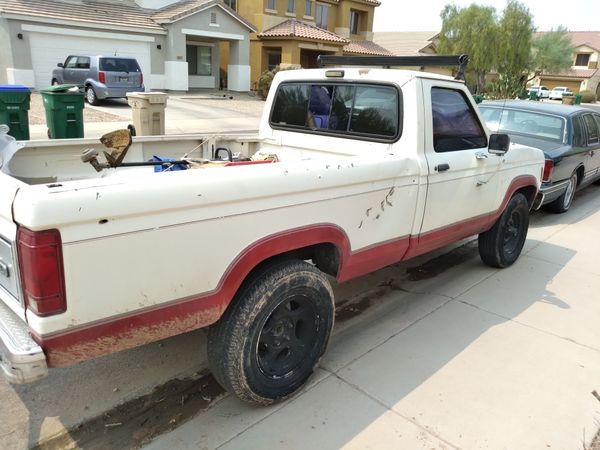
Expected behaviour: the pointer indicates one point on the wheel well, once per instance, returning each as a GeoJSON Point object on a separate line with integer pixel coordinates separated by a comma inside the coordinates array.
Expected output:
{"type": "Point", "coordinates": [529, 192]}
{"type": "Point", "coordinates": [325, 256]}
{"type": "Point", "coordinates": [580, 174]}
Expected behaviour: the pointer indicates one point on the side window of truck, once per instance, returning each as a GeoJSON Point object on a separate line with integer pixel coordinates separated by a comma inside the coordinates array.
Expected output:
{"type": "Point", "coordinates": [367, 111]}
{"type": "Point", "coordinates": [455, 124]}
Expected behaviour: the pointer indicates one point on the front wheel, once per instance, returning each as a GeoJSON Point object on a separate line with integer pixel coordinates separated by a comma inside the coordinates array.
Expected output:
{"type": "Point", "coordinates": [502, 244]}
{"type": "Point", "coordinates": [90, 96]}
{"type": "Point", "coordinates": [272, 337]}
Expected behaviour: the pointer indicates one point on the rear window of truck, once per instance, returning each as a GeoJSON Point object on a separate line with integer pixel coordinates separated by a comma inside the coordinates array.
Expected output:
{"type": "Point", "coordinates": [362, 110]}
{"type": "Point", "coordinates": [119, 65]}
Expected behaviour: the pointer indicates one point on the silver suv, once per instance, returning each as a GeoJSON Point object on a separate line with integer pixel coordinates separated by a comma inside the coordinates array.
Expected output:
{"type": "Point", "coordinates": [102, 77]}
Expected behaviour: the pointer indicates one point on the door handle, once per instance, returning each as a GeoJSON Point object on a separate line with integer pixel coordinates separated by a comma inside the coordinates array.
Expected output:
{"type": "Point", "coordinates": [442, 167]}
{"type": "Point", "coordinates": [481, 155]}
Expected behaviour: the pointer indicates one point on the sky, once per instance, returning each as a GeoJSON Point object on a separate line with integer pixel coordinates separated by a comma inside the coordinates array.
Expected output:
{"type": "Point", "coordinates": [424, 15]}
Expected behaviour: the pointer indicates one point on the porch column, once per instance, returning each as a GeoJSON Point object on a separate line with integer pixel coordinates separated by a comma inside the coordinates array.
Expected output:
{"type": "Point", "coordinates": [176, 66]}
{"type": "Point", "coordinates": [238, 69]}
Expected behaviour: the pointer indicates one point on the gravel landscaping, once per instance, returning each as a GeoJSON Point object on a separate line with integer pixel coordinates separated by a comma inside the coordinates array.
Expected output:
{"type": "Point", "coordinates": [37, 114]}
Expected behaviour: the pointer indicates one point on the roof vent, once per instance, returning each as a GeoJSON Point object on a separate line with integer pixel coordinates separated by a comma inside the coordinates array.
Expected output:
{"type": "Point", "coordinates": [213, 18]}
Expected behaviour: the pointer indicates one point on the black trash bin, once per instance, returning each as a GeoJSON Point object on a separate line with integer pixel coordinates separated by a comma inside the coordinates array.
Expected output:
{"type": "Point", "coordinates": [14, 108]}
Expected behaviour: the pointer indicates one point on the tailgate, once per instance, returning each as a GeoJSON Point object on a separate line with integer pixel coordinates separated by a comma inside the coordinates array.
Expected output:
{"type": "Point", "coordinates": [9, 186]}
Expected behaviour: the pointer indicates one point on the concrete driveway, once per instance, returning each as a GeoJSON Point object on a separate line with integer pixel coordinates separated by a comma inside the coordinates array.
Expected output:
{"type": "Point", "coordinates": [439, 352]}
{"type": "Point", "coordinates": [191, 113]}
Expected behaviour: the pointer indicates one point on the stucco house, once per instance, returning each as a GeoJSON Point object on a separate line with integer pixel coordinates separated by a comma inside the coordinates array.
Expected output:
{"type": "Point", "coordinates": [584, 73]}
{"type": "Point", "coordinates": [176, 43]}
{"type": "Point", "coordinates": [295, 32]}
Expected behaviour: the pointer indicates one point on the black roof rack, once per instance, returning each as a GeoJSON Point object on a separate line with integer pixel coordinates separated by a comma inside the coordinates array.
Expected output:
{"type": "Point", "coordinates": [405, 61]}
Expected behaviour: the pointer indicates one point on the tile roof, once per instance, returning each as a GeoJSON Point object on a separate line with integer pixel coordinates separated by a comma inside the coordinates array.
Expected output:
{"type": "Point", "coordinates": [579, 38]}
{"type": "Point", "coordinates": [297, 29]}
{"type": "Point", "coordinates": [572, 73]}
{"type": "Point", "coordinates": [405, 43]}
{"type": "Point", "coordinates": [589, 38]}
{"type": "Point", "coordinates": [97, 13]}
{"type": "Point", "coordinates": [366, 48]}
{"type": "Point", "coordinates": [179, 10]}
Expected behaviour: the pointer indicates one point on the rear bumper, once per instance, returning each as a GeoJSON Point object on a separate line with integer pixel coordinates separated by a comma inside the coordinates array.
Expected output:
{"type": "Point", "coordinates": [107, 92]}
{"type": "Point", "coordinates": [22, 360]}
{"type": "Point", "coordinates": [550, 192]}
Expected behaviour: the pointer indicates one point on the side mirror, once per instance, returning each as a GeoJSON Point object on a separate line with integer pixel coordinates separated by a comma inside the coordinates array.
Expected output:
{"type": "Point", "coordinates": [59, 65]}
{"type": "Point", "coordinates": [499, 144]}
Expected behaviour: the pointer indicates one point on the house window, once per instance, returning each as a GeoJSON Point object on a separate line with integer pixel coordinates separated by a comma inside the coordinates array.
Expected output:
{"type": "Point", "coordinates": [308, 9]}
{"type": "Point", "coordinates": [290, 7]}
{"type": "Point", "coordinates": [354, 18]}
{"type": "Point", "coordinates": [231, 4]}
{"type": "Point", "coordinates": [274, 59]}
{"type": "Point", "coordinates": [322, 16]}
{"type": "Point", "coordinates": [199, 59]}
{"type": "Point", "coordinates": [582, 59]}
{"type": "Point", "coordinates": [271, 5]}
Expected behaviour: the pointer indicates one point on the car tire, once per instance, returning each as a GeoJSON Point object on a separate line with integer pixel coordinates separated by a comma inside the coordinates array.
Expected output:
{"type": "Point", "coordinates": [564, 202]}
{"type": "Point", "coordinates": [55, 82]}
{"type": "Point", "coordinates": [501, 245]}
{"type": "Point", "coordinates": [271, 338]}
{"type": "Point", "coordinates": [90, 96]}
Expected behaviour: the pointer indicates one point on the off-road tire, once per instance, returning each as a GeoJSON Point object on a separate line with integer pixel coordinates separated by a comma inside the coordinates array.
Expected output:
{"type": "Point", "coordinates": [501, 245]}
{"type": "Point", "coordinates": [90, 96]}
{"type": "Point", "coordinates": [564, 202]}
{"type": "Point", "coordinates": [274, 333]}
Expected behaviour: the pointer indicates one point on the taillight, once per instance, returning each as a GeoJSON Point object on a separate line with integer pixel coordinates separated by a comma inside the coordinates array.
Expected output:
{"type": "Point", "coordinates": [41, 267]}
{"type": "Point", "coordinates": [548, 166]}
{"type": "Point", "coordinates": [102, 77]}
{"type": "Point", "coordinates": [141, 78]}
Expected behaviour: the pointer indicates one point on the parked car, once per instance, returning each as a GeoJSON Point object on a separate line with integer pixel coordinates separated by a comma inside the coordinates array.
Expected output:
{"type": "Point", "coordinates": [568, 135]}
{"type": "Point", "coordinates": [558, 92]}
{"type": "Point", "coordinates": [541, 91]}
{"type": "Point", "coordinates": [102, 77]}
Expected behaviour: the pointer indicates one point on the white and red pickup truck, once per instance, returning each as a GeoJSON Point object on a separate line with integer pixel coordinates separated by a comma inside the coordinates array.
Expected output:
{"type": "Point", "coordinates": [354, 169]}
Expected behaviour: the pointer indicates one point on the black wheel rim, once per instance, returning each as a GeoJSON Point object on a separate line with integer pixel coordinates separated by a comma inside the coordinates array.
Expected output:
{"type": "Point", "coordinates": [512, 232]}
{"type": "Point", "coordinates": [287, 338]}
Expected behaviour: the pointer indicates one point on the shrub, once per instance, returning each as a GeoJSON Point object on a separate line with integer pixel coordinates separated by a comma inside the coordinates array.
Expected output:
{"type": "Point", "coordinates": [588, 96]}
{"type": "Point", "coordinates": [266, 79]}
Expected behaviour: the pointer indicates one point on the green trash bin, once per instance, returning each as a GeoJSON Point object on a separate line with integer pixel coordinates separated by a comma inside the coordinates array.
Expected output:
{"type": "Point", "coordinates": [533, 95]}
{"type": "Point", "coordinates": [64, 111]}
{"type": "Point", "coordinates": [578, 99]}
{"type": "Point", "coordinates": [14, 107]}
{"type": "Point", "coordinates": [478, 98]}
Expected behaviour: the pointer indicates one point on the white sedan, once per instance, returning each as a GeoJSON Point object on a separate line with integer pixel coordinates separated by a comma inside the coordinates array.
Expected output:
{"type": "Point", "coordinates": [558, 92]}
{"type": "Point", "coordinates": [541, 91]}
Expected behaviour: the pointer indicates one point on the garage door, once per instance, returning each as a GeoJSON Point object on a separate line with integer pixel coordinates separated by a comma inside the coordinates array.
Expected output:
{"type": "Point", "coordinates": [49, 49]}
{"type": "Point", "coordinates": [574, 86]}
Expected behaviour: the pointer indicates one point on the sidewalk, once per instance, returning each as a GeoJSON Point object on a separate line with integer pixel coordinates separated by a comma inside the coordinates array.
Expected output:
{"type": "Point", "coordinates": [455, 355]}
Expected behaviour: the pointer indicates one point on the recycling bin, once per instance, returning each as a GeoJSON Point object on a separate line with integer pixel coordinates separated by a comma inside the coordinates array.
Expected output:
{"type": "Point", "coordinates": [14, 107]}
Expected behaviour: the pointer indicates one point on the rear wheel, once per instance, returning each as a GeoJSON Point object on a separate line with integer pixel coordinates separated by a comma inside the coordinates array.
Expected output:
{"type": "Point", "coordinates": [563, 203]}
{"type": "Point", "coordinates": [54, 82]}
{"type": "Point", "coordinates": [502, 244]}
{"type": "Point", "coordinates": [269, 341]}
{"type": "Point", "coordinates": [90, 96]}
